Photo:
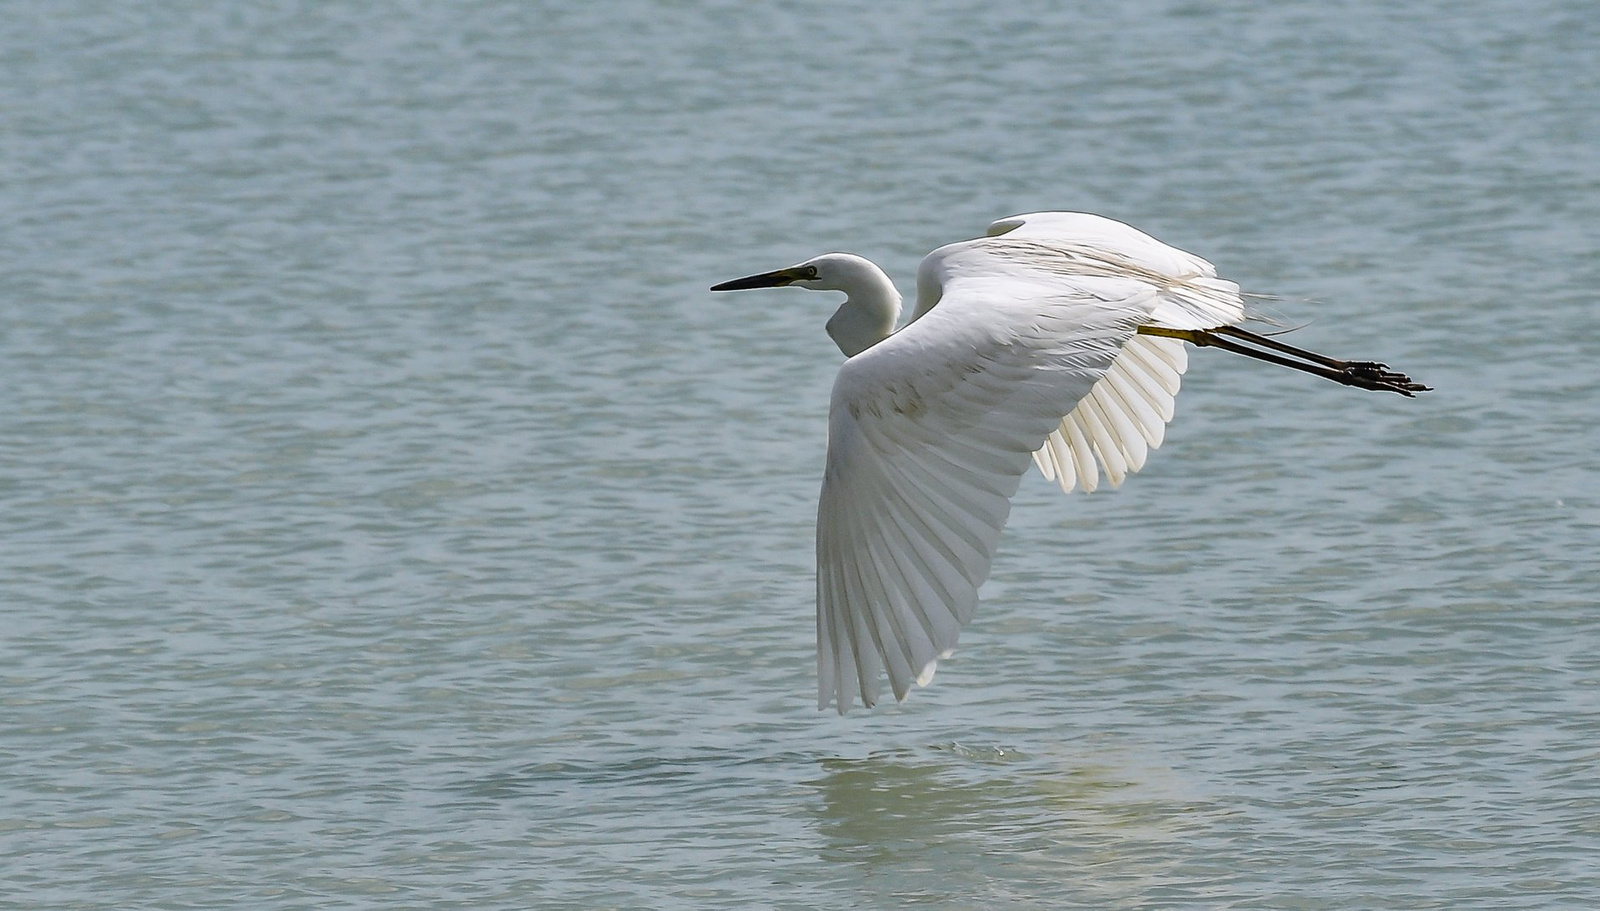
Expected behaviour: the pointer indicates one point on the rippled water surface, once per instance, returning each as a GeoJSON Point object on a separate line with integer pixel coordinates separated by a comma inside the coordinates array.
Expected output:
{"type": "Point", "coordinates": [389, 517]}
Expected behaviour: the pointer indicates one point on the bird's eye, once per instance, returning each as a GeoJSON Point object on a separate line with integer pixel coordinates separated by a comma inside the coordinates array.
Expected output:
{"type": "Point", "coordinates": [811, 273]}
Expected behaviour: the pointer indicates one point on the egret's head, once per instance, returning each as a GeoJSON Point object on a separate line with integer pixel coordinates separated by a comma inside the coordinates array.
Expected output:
{"type": "Point", "coordinates": [871, 305]}
{"type": "Point", "coordinates": [828, 272]}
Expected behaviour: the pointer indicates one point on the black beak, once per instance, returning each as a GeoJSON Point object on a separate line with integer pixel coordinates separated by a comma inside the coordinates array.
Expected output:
{"type": "Point", "coordinates": [775, 279]}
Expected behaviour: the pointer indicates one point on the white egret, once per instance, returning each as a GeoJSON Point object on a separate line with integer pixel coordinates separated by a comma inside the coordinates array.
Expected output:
{"type": "Point", "coordinates": [1057, 337]}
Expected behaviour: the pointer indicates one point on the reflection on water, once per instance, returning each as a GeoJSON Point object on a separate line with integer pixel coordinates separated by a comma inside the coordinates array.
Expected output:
{"type": "Point", "coordinates": [958, 824]}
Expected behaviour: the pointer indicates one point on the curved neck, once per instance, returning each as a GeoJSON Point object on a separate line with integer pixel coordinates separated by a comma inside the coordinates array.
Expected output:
{"type": "Point", "coordinates": [870, 309]}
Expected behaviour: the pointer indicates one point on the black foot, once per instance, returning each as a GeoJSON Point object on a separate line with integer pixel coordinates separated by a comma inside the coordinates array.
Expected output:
{"type": "Point", "coordinates": [1373, 375]}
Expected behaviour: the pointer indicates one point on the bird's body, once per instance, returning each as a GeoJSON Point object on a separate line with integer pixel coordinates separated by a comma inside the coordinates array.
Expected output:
{"type": "Point", "coordinates": [1058, 339]}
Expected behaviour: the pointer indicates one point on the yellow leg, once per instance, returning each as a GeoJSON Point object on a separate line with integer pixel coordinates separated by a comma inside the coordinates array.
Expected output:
{"type": "Point", "coordinates": [1192, 336]}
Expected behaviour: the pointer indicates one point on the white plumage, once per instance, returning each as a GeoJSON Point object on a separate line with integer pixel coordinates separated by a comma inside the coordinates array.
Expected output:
{"type": "Point", "coordinates": [1024, 345]}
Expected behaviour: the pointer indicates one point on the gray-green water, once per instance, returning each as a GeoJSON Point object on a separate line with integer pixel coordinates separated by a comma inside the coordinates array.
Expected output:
{"type": "Point", "coordinates": [390, 518]}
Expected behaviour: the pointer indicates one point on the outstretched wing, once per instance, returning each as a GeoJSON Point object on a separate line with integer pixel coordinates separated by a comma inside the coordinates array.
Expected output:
{"type": "Point", "coordinates": [1115, 427]}
{"type": "Point", "coordinates": [929, 434]}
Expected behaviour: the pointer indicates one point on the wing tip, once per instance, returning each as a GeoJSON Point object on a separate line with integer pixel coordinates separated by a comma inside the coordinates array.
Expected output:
{"type": "Point", "coordinates": [843, 700]}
